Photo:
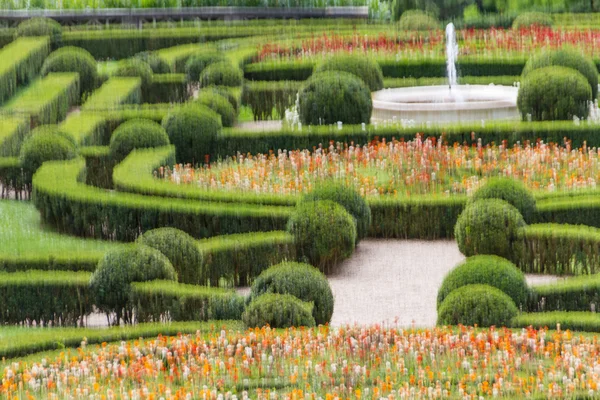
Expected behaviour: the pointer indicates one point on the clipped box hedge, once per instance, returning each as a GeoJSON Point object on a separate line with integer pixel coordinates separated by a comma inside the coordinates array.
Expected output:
{"type": "Point", "coordinates": [574, 321]}
{"type": "Point", "coordinates": [12, 132]}
{"type": "Point", "coordinates": [167, 88]}
{"type": "Point", "coordinates": [115, 92]}
{"type": "Point", "coordinates": [581, 293]}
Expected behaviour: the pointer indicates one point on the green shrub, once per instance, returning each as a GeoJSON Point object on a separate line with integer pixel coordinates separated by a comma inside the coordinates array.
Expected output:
{"type": "Point", "coordinates": [487, 270]}
{"type": "Point", "coordinates": [350, 199]}
{"type": "Point", "coordinates": [111, 282]}
{"type": "Point", "coordinates": [198, 62]}
{"type": "Point", "coordinates": [136, 134]}
{"type": "Point", "coordinates": [299, 280]}
{"type": "Point", "coordinates": [324, 233]}
{"type": "Point", "coordinates": [226, 92]}
{"type": "Point", "coordinates": [43, 145]}
{"type": "Point", "coordinates": [532, 19]}
{"type": "Point", "coordinates": [180, 248]}
{"type": "Point", "coordinates": [157, 64]}
{"type": "Point", "coordinates": [41, 27]}
{"type": "Point", "coordinates": [221, 73]}
{"type": "Point", "coordinates": [580, 293]}
{"type": "Point", "coordinates": [489, 227]}
{"type": "Point", "coordinates": [278, 311]}
{"type": "Point", "coordinates": [574, 321]}
{"type": "Point", "coordinates": [136, 68]}
{"type": "Point", "coordinates": [193, 130]}
{"type": "Point", "coordinates": [219, 104]}
{"type": "Point", "coordinates": [554, 93]}
{"type": "Point", "coordinates": [363, 67]}
{"type": "Point", "coordinates": [417, 20]}
{"type": "Point", "coordinates": [512, 191]}
{"type": "Point", "coordinates": [568, 58]}
{"type": "Point", "coordinates": [480, 305]}
{"type": "Point", "coordinates": [73, 59]}
{"type": "Point", "coordinates": [329, 97]}
{"type": "Point", "coordinates": [400, 7]}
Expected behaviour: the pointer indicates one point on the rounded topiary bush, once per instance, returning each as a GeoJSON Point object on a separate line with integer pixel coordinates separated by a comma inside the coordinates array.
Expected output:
{"type": "Point", "coordinates": [136, 67]}
{"type": "Point", "coordinates": [324, 233]}
{"type": "Point", "coordinates": [363, 67]}
{"type": "Point", "coordinates": [567, 58]}
{"type": "Point", "coordinates": [136, 134]}
{"type": "Point", "coordinates": [480, 305]}
{"type": "Point", "coordinates": [300, 280]}
{"type": "Point", "coordinates": [487, 270]}
{"type": "Point", "coordinates": [348, 198]}
{"type": "Point", "coordinates": [111, 282]}
{"type": "Point", "coordinates": [221, 73]}
{"type": "Point", "coordinates": [554, 93]}
{"type": "Point", "coordinates": [218, 104]}
{"type": "Point", "coordinates": [157, 64]}
{"type": "Point", "coordinates": [182, 251]}
{"type": "Point", "coordinates": [278, 311]}
{"type": "Point", "coordinates": [44, 145]}
{"type": "Point", "coordinates": [193, 130]}
{"type": "Point", "coordinates": [510, 190]}
{"type": "Point", "coordinates": [489, 227]}
{"type": "Point", "coordinates": [417, 20]}
{"type": "Point", "coordinates": [41, 27]}
{"type": "Point", "coordinates": [73, 59]}
{"type": "Point", "coordinates": [227, 93]}
{"type": "Point", "coordinates": [329, 97]}
{"type": "Point", "coordinates": [532, 19]}
{"type": "Point", "coordinates": [198, 62]}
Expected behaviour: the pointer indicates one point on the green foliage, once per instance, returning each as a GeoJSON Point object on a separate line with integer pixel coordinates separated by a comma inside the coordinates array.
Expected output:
{"type": "Point", "coordinates": [230, 93]}
{"type": "Point", "coordinates": [554, 93]}
{"type": "Point", "coordinates": [73, 59]}
{"type": "Point", "coordinates": [512, 191]}
{"type": "Point", "coordinates": [417, 20]}
{"type": "Point", "coordinates": [568, 58]}
{"type": "Point", "coordinates": [299, 280]}
{"type": "Point", "coordinates": [400, 7]}
{"type": "Point", "coordinates": [111, 282]}
{"type": "Point", "coordinates": [348, 198]}
{"type": "Point", "coordinates": [580, 293]}
{"type": "Point", "coordinates": [136, 134]}
{"type": "Point", "coordinates": [157, 64]}
{"type": "Point", "coordinates": [41, 27]}
{"type": "Point", "coordinates": [218, 104]}
{"type": "Point", "coordinates": [532, 19]}
{"type": "Point", "coordinates": [115, 92]}
{"type": "Point", "coordinates": [575, 321]}
{"type": "Point", "coordinates": [12, 132]}
{"type": "Point", "coordinates": [221, 73]}
{"type": "Point", "coordinates": [167, 88]}
{"type": "Point", "coordinates": [180, 248]}
{"type": "Point", "coordinates": [329, 97]}
{"type": "Point", "coordinates": [278, 311]}
{"type": "Point", "coordinates": [136, 68]}
{"type": "Point", "coordinates": [198, 62]}
{"type": "Point", "coordinates": [363, 67]}
{"type": "Point", "coordinates": [193, 130]}
{"type": "Point", "coordinates": [489, 227]}
{"type": "Point", "coordinates": [482, 305]}
{"type": "Point", "coordinates": [45, 145]}
{"type": "Point", "coordinates": [264, 97]}
{"type": "Point", "coordinates": [324, 233]}
{"type": "Point", "coordinates": [487, 270]}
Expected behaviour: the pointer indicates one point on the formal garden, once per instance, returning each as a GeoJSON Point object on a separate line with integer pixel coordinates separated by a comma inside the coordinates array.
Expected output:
{"type": "Point", "coordinates": [404, 205]}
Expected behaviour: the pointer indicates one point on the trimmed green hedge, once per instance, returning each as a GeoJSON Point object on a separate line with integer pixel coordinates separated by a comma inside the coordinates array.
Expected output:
{"type": "Point", "coordinates": [12, 132]}
{"type": "Point", "coordinates": [167, 88]}
{"type": "Point", "coordinates": [114, 93]}
{"type": "Point", "coordinates": [265, 97]}
{"type": "Point", "coordinates": [572, 294]}
{"type": "Point", "coordinates": [575, 321]}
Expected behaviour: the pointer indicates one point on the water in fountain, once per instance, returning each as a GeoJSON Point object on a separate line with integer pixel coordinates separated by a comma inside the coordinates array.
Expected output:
{"type": "Point", "coordinates": [451, 54]}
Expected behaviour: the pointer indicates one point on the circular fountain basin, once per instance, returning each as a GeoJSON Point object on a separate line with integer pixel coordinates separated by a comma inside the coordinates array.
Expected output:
{"type": "Point", "coordinates": [442, 104]}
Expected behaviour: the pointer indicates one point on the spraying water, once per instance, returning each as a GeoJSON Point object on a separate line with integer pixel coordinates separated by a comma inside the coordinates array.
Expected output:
{"type": "Point", "coordinates": [451, 54]}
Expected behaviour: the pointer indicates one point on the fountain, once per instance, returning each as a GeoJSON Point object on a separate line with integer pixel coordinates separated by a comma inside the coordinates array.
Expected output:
{"type": "Point", "coordinates": [451, 103]}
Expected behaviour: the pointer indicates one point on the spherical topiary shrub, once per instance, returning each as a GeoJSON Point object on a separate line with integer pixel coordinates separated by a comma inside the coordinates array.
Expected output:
{"type": "Point", "coordinates": [489, 227]}
{"type": "Point", "coordinates": [329, 97]}
{"type": "Point", "coordinates": [278, 311]}
{"type": "Point", "coordinates": [567, 58]}
{"type": "Point", "coordinates": [487, 270]}
{"type": "Point", "coordinates": [218, 104]}
{"type": "Point", "coordinates": [110, 283]}
{"type": "Point", "coordinates": [41, 27]}
{"type": "Point", "coordinates": [554, 93]}
{"type": "Point", "coordinates": [227, 93]}
{"type": "Point", "coordinates": [510, 190]}
{"type": "Point", "coordinates": [198, 62]}
{"type": "Point", "coordinates": [363, 67]}
{"type": "Point", "coordinates": [532, 19]}
{"type": "Point", "coordinates": [417, 20]}
{"type": "Point", "coordinates": [324, 233]}
{"type": "Point", "coordinates": [480, 305]}
{"type": "Point", "coordinates": [136, 67]}
{"type": "Point", "coordinates": [157, 64]}
{"type": "Point", "coordinates": [44, 145]}
{"type": "Point", "coordinates": [136, 134]}
{"type": "Point", "coordinates": [193, 130]}
{"type": "Point", "coordinates": [73, 59]}
{"type": "Point", "coordinates": [348, 198]}
{"type": "Point", "coordinates": [221, 73]}
{"type": "Point", "coordinates": [182, 251]}
{"type": "Point", "coordinates": [300, 280]}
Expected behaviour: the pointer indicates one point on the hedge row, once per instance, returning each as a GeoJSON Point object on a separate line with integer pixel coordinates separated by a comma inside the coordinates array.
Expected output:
{"type": "Point", "coordinates": [87, 129]}
{"type": "Point", "coordinates": [82, 210]}
{"type": "Point", "coordinates": [99, 166]}
{"type": "Point", "coordinates": [114, 93]}
{"type": "Point", "coordinates": [167, 88]}
{"type": "Point", "coordinates": [75, 261]}
{"type": "Point", "coordinates": [12, 132]}
{"type": "Point", "coordinates": [581, 293]}
{"type": "Point", "coordinates": [47, 100]}
{"type": "Point", "coordinates": [12, 178]}
{"type": "Point", "coordinates": [507, 80]}
{"type": "Point", "coordinates": [575, 321]}
{"type": "Point", "coordinates": [22, 61]}
{"type": "Point", "coordinates": [264, 97]}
